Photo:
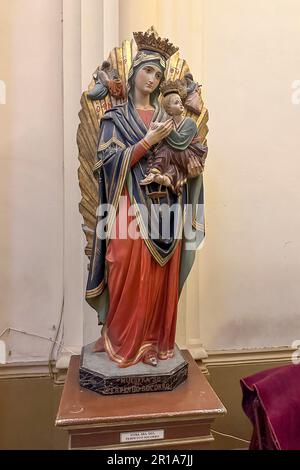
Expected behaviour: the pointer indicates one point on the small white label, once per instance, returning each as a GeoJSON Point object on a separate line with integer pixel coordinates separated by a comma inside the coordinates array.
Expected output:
{"type": "Point", "coordinates": [151, 435]}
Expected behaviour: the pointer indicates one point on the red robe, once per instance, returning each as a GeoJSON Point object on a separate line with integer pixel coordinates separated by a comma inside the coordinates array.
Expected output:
{"type": "Point", "coordinates": [143, 296]}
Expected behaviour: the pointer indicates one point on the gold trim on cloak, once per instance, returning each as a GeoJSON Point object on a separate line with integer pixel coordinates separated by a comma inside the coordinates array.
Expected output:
{"type": "Point", "coordinates": [112, 215]}
{"type": "Point", "coordinates": [198, 226]}
{"type": "Point", "coordinates": [96, 291]}
{"type": "Point", "coordinates": [156, 255]}
{"type": "Point", "coordinates": [113, 140]}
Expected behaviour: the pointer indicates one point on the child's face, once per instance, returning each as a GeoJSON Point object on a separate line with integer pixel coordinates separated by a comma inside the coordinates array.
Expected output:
{"type": "Point", "coordinates": [175, 106]}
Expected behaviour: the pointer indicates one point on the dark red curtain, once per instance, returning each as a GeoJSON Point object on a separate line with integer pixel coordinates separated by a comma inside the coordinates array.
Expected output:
{"type": "Point", "coordinates": [271, 400]}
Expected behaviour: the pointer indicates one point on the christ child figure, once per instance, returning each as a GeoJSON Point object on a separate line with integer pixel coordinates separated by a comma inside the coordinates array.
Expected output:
{"type": "Point", "coordinates": [180, 156]}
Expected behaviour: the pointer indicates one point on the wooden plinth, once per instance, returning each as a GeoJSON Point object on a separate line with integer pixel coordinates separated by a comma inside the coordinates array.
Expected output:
{"type": "Point", "coordinates": [181, 419]}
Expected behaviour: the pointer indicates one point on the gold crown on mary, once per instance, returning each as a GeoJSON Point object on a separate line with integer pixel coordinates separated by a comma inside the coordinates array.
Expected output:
{"type": "Point", "coordinates": [152, 42]}
{"type": "Point", "coordinates": [174, 86]}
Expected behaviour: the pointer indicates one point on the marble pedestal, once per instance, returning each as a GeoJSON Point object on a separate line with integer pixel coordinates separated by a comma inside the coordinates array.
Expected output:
{"type": "Point", "coordinates": [99, 374]}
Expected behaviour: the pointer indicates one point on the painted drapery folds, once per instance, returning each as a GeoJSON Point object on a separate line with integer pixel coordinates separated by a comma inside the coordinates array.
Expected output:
{"type": "Point", "coordinates": [136, 276]}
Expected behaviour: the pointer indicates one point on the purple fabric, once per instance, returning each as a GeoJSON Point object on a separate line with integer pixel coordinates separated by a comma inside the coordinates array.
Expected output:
{"type": "Point", "coordinates": [271, 400]}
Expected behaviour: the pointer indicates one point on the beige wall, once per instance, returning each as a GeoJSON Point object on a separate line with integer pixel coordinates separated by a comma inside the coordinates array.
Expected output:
{"type": "Point", "coordinates": [29, 423]}
{"type": "Point", "coordinates": [31, 173]}
{"type": "Point", "coordinates": [250, 267]}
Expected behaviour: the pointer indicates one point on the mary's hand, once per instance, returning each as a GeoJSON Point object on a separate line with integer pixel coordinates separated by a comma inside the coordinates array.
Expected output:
{"type": "Point", "coordinates": [158, 132]}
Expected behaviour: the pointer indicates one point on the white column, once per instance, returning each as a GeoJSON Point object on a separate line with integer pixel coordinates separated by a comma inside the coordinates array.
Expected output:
{"type": "Point", "coordinates": [110, 23]}
{"type": "Point", "coordinates": [92, 28]}
{"type": "Point", "coordinates": [73, 238]}
{"type": "Point", "coordinates": [87, 38]}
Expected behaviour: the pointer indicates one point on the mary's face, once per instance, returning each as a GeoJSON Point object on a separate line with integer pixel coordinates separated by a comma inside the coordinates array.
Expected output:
{"type": "Point", "coordinates": [148, 78]}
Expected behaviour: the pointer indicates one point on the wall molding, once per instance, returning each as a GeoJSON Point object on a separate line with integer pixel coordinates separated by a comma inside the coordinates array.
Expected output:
{"type": "Point", "coordinates": [235, 357]}
{"type": "Point", "coordinates": [33, 370]}
{"type": "Point", "coordinates": [23, 370]}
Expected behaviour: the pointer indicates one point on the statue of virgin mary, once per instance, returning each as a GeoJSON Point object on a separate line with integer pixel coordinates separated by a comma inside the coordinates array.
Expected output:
{"type": "Point", "coordinates": [134, 283]}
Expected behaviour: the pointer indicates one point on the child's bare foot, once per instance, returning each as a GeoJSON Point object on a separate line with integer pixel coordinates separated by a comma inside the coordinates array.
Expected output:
{"type": "Point", "coordinates": [148, 179]}
{"type": "Point", "coordinates": [162, 179]}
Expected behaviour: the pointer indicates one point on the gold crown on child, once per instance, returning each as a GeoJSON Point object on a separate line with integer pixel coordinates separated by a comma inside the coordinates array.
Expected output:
{"type": "Point", "coordinates": [174, 86]}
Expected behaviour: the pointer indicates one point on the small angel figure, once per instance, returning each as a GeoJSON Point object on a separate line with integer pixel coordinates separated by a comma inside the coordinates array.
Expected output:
{"type": "Point", "coordinates": [107, 81]}
{"type": "Point", "coordinates": [181, 155]}
{"type": "Point", "coordinates": [193, 101]}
